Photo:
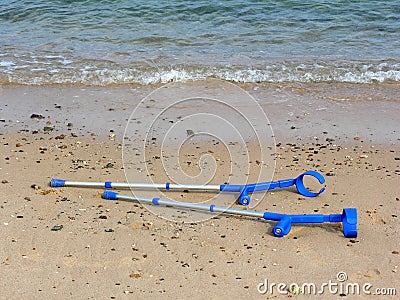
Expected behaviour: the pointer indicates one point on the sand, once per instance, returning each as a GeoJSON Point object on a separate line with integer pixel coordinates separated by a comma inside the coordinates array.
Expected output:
{"type": "Point", "coordinates": [62, 243]}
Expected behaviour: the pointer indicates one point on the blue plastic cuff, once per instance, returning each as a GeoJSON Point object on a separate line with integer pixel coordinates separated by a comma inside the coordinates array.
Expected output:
{"type": "Point", "coordinates": [155, 201]}
{"type": "Point", "coordinates": [167, 186]}
{"type": "Point", "coordinates": [107, 185]}
{"type": "Point", "coordinates": [212, 207]}
{"type": "Point", "coordinates": [303, 190]}
{"type": "Point", "coordinates": [109, 195]}
{"type": "Point", "coordinates": [57, 182]}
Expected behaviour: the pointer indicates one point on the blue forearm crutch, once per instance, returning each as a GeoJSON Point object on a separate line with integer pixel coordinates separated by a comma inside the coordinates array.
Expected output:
{"type": "Point", "coordinates": [243, 190]}
{"type": "Point", "coordinates": [348, 217]}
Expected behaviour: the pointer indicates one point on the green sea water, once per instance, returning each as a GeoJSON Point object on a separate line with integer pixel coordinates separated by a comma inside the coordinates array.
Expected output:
{"type": "Point", "coordinates": [144, 42]}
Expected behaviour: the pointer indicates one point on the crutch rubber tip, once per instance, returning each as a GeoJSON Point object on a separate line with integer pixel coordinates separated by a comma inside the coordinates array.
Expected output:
{"type": "Point", "coordinates": [109, 195]}
{"type": "Point", "coordinates": [349, 222]}
{"type": "Point", "coordinates": [57, 182]}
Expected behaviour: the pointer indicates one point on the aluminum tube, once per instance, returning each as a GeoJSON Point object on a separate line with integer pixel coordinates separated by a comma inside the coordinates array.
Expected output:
{"type": "Point", "coordinates": [146, 186]}
{"type": "Point", "coordinates": [84, 184]}
{"type": "Point", "coordinates": [195, 206]}
{"type": "Point", "coordinates": [194, 187]}
{"type": "Point", "coordinates": [242, 212]}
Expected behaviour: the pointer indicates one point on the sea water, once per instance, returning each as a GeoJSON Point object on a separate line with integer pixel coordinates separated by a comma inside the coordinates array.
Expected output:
{"type": "Point", "coordinates": [145, 42]}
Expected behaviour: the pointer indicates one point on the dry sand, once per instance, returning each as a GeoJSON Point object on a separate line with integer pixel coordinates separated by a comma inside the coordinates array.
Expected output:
{"type": "Point", "coordinates": [117, 249]}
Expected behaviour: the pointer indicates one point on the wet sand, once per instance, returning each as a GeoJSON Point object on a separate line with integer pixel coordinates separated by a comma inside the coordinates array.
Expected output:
{"type": "Point", "coordinates": [69, 243]}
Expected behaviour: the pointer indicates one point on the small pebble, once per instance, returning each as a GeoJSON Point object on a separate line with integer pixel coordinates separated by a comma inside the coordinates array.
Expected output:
{"type": "Point", "coordinates": [47, 128]}
{"type": "Point", "coordinates": [60, 137]}
{"type": "Point", "coordinates": [135, 275]}
{"type": "Point", "coordinates": [57, 227]}
{"type": "Point", "coordinates": [36, 116]}
{"type": "Point", "coordinates": [109, 230]}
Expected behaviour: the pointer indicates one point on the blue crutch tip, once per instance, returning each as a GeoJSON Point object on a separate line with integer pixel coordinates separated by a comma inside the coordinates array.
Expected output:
{"type": "Point", "coordinates": [109, 195]}
{"type": "Point", "coordinates": [57, 182]}
{"type": "Point", "coordinates": [349, 222]}
{"type": "Point", "coordinates": [303, 190]}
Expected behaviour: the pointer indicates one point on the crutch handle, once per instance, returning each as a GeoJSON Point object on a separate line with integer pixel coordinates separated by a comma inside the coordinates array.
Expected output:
{"type": "Point", "coordinates": [348, 218]}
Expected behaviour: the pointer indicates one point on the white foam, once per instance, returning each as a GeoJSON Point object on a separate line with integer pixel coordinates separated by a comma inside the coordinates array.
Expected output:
{"type": "Point", "coordinates": [68, 72]}
{"type": "Point", "coordinates": [6, 63]}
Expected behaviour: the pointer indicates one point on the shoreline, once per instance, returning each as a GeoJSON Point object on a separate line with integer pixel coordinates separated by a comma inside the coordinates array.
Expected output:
{"type": "Point", "coordinates": [296, 112]}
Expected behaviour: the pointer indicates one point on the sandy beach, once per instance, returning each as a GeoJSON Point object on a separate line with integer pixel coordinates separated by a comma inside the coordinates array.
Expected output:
{"type": "Point", "coordinates": [68, 243]}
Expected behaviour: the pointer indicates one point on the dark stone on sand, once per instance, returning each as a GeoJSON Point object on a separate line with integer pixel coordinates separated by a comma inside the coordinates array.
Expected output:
{"type": "Point", "coordinates": [36, 116]}
{"type": "Point", "coordinates": [47, 128]}
{"type": "Point", "coordinates": [60, 137]}
{"type": "Point", "coordinates": [57, 227]}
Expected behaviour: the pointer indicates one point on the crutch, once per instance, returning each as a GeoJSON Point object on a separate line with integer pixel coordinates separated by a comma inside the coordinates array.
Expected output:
{"type": "Point", "coordinates": [348, 217]}
{"type": "Point", "coordinates": [243, 190]}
